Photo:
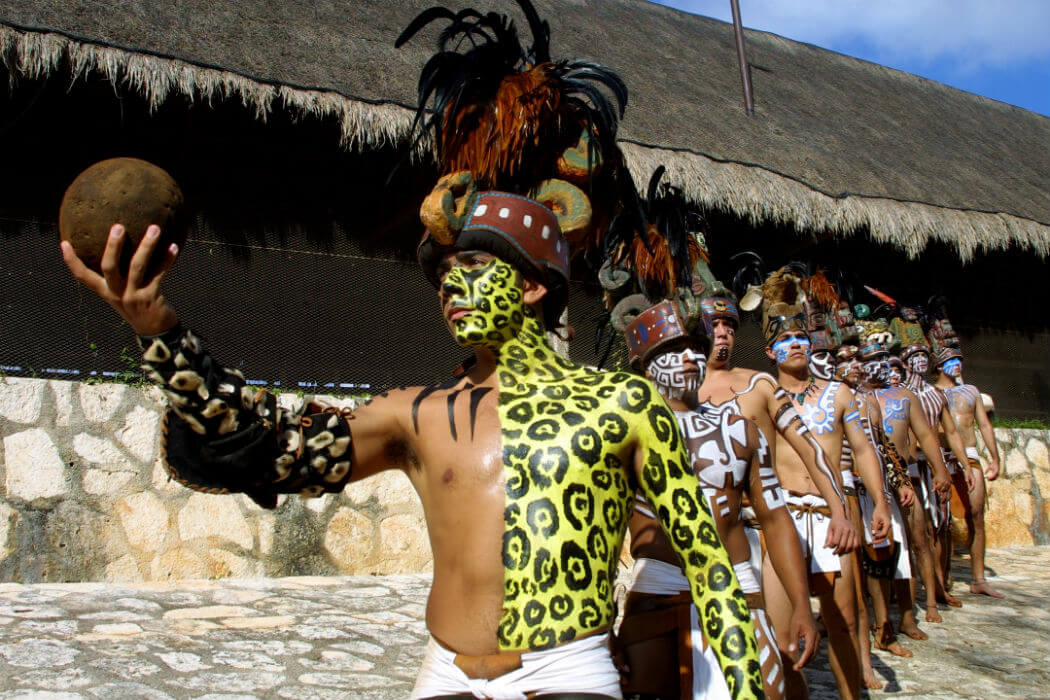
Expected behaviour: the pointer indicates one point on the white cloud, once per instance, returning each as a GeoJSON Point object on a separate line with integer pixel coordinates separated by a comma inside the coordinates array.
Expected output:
{"type": "Point", "coordinates": [971, 34]}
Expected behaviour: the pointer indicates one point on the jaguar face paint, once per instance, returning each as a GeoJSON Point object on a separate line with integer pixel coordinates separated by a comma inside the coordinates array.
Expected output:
{"type": "Point", "coordinates": [822, 365]}
{"type": "Point", "coordinates": [677, 373]}
{"type": "Point", "coordinates": [483, 301]}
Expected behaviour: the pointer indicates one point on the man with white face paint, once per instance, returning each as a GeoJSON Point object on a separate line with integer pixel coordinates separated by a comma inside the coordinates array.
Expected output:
{"type": "Point", "coordinates": [934, 406]}
{"type": "Point", "coordinates": [903, 415]}
{"type": "Point", "coordinates": [660, 635]}
{"type": "Point", "coordinates": [965, 404]}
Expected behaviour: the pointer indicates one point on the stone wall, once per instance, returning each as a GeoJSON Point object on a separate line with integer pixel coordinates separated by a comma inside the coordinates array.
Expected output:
{"type": "Point", "coordinates": [86, 498]}
{"type": "Point", "coordinates": [1019, 500]}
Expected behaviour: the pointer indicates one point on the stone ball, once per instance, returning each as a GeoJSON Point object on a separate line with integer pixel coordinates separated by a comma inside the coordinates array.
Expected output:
{"type": "Point", "coordinates": [125, 191]}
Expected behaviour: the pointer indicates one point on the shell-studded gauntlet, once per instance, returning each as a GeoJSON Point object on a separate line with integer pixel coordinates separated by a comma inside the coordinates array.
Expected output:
{"type": "Point", "coordinates": [224, 436]}
{"type": "Point", "coordinates": [896, 469]}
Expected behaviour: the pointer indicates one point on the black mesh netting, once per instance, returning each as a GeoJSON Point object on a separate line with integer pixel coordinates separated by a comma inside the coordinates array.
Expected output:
{"type": "Point", "coordinates": [299, 265]}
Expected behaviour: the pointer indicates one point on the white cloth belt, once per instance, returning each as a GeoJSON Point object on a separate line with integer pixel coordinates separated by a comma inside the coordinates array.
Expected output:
{"type": "Point", "coordinates": [583, 666]}
{"type": "Point", "coordinates": [971, 452]}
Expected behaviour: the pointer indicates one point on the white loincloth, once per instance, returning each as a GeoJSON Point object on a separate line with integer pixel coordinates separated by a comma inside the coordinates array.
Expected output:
{"type": "Point", "coordinates": [660, 578]}
{"type": "Point", "coordinates": [583, 666]}
{"type": "Point", "coordinates": [898, 534]}
{"type": "Point", "coordinates": [971, 452]}
{"type": "Point", "coordinates": [812, 529]}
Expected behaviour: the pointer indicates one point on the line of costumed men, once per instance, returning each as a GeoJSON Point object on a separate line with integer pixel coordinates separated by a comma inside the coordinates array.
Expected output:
{"type": "Point", "coordinates": [745, 493]}
{"type": "Point", "coordinates": [859, 383]}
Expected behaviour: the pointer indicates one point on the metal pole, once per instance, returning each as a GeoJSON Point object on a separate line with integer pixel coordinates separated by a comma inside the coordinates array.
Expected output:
{"type": "Point", "coordinates": [741, 55]}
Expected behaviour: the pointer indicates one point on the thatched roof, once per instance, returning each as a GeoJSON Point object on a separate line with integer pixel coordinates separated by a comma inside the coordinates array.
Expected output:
{"type": "Point", "coordinates": [838, 145]}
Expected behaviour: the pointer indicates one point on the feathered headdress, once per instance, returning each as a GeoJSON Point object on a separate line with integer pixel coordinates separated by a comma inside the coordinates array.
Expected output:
{"type": "Point", "coordinates": [514, 120]}
{"type": "Point", "coordinates": [783, 304]}
{"type": "Point", "coordinates": [655, 250]}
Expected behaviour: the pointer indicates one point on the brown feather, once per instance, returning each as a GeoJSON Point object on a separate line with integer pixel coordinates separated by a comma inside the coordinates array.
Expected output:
{"type": "Point", "coordinates": [780, 287]}
{"type": "Point", "coordinates": [655, 269]}
{"type": "Point", "coordinates": [819, 288]}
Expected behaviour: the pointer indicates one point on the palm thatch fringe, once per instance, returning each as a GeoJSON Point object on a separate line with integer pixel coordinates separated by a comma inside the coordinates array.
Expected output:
{"type": "Point", "coordinates": [759, 195]}
{"type": "Point", "coordinates": [362, 124]}
{"type": "Point", "coordinates": [764, 197]}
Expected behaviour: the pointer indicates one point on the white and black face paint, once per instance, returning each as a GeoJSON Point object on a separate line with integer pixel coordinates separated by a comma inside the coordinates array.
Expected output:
{"type": "Point", "coordinates": [895, 377]}
{"type": "Point", "coordinates": [822, 365]}
{"type": "Point", "coordinates": [677, 373]}
{"type": "Point", "coordinates": [919, 364]}
{"type": "Point", "coordinates": [876, 372]}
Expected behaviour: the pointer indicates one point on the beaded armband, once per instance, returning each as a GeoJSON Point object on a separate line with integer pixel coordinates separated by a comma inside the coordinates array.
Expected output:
{"type": "Point", "coordinates": [896, 469]}
{"type": "Point", "coordinates": [223, 436]}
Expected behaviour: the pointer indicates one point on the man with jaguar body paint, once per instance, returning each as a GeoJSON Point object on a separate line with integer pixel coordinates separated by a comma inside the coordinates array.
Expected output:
{"type": "Point", "coordinates": [664, 648]}
{"type": "Point", "coordinates": [525, 463]}
{"type": "Point", "coordinates": [831, 414]}
{"type": "Point", "coordinates": [934, 408]}
{"type": "Point", "coordinates": [967, 409]}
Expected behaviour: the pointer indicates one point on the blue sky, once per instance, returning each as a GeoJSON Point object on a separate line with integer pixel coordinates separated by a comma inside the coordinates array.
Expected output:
{"type": "Point", "coordinates": [996, 48]}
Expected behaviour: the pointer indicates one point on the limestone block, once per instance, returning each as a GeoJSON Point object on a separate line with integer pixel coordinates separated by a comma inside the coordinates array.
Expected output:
{"type": "Point", "coordinates": [224, 564]}
{"type": "Point", "coordinates": [264, 528]}
{"type": "Point", "coordinates": [1036, 451]}
{"type": "Point", "coordinates": [8, 530]}
{"type": "Point", "coordinates": [215, 516]}
{"type": "Point", "coordinates": [139, 434]}
{"type": "Point", "coordinates": [391, 488]}
{"type": "Point", "coordinates": [101, 451]}
{"type": "Point", "coordinates": [34, 467]}
{"type": "Point", "coordinates": [62, 392]}
{"type": "Point", "coordinates": [403, 544]}
{"type": "Point", "coordinates": [145, 520]}
{"type": "Point", "coordinates": [1009, 517]}
{"type": "Point", "coordinates": [1016, 464]}
{"type": "Point", "coordinates": [98, 402]}
{"type": "Point", "coordinates": [20, 399]}
{"type": "Point", "coordinates": [319, 504]}
{"type": "Point", "coordinates": [123, 570]}
{"type": "Point", "coordinates": [99, 482]}
{"type": "Point", "coordinates": [161, 482]}
{"type": "Point", "coordinates": [177, 564]}
{"type": "Point", "coordinates": [349, 541]}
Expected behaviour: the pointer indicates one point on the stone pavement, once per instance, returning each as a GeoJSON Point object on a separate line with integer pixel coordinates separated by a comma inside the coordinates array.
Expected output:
{"type": "Point", "coordinates": [363, 636]}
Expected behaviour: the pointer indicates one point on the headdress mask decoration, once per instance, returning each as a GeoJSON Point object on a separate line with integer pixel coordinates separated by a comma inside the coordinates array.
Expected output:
{"type": "Point", "coordinates": [521, 231]}
{"type": "Point", "coordinates": [653, 329]}
{"type": "Point", "coordinates": [783, 305]}
{"type": "Point", "coordinates": [714, 308]}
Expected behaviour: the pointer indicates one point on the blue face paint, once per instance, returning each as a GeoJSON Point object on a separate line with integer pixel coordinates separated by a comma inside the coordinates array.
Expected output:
{"type": "Point", "coordinates": [953, 367]}
{"type": "Point", "coordinates": [781, 348]}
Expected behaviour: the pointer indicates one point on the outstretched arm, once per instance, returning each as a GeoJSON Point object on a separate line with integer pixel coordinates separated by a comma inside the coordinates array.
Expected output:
{"type": "Point", "coordinates": [785, 552]}
{"type": "Point", "coordinates": [988, 435]}
{"type": "Point", "coordinates": [661, 466]}
{"type": "Point", "coordinates": [221, 435]}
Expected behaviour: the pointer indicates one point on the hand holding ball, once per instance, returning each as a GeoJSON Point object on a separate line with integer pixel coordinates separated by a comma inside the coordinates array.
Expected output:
{"type": "Point", "coordinates": [125, 191]}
